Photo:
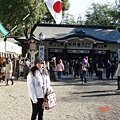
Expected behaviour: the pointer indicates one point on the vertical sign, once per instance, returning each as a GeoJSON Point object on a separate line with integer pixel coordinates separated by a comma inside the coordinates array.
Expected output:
{"type": "Point", "coordinates": [118, 55]}
{"type": "Point", "coordinates": [41, 51]}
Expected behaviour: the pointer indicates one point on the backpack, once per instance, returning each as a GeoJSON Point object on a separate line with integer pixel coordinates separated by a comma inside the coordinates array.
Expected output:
{"type": "Point", "coordinates": [100, 65]}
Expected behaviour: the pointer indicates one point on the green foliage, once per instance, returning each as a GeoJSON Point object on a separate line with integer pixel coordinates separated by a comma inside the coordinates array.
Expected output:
{"type": "Point", "coordinates": [102, 14]}
{"type": "Point", "coordinates": [13, 12]}
{"type": "Point", "coordinates": [68, 19]}
{"type": "Point", "coordinates": [80, 20]}
{"type": "Point", "coordinates": [65, 6]}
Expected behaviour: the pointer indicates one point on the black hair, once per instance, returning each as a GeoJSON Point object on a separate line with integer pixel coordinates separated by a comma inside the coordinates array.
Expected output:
{"type": "Point", "coordinates": [4, 64]}
{"type": "Point", "coordinates": [33, 69]}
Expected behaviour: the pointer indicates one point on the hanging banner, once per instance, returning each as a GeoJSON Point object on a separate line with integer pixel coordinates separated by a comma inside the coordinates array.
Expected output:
{"type": "Point", "coordinates": [118, 55]}
{"type": "Point", "coordinates": [41, 51]}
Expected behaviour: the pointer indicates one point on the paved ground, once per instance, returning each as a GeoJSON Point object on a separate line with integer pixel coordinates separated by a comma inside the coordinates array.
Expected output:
{"type": "Point", "coordinates": [96, 100]}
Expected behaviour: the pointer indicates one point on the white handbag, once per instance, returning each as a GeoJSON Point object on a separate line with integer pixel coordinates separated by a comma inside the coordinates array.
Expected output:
{"type": "Point", "coordinates": [49, 101]}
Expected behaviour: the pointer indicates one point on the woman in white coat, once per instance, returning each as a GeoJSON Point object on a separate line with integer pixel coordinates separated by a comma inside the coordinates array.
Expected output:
{"type": "Point", "coordinates": [38, 83]}
{"type": "Point", "coordinates": [8, 71]}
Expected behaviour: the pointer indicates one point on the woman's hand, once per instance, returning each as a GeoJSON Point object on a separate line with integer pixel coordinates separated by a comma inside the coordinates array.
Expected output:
{"type": "Point", "coordinates": [35, 103]}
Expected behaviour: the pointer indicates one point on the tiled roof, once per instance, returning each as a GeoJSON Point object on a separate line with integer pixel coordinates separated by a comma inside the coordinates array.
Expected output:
{"type": "Point", "coordinates": [108, 34]}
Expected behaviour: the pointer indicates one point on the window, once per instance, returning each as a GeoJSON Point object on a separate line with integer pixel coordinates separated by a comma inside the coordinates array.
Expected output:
{"type": "Point", "coordinates": [74, 45]}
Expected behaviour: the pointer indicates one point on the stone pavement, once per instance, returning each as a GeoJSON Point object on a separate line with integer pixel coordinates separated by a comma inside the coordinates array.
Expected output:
{"type": "Point", "coordinates": [96, 100]}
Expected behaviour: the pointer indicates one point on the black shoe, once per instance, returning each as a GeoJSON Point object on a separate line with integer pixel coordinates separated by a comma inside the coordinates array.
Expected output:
{"type": "Point", "coordinates": [118, 89]}
{"type": "Point", "coordinates": [12, 83]}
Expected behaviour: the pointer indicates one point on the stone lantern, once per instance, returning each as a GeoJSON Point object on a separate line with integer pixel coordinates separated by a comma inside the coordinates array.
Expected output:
{"type": "Point", "coordinates": [33, 42]}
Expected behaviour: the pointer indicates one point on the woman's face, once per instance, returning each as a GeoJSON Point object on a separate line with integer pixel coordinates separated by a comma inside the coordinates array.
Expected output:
{"type": "Point", "coordinates": [3, 60]}
{"type": "Point", "coordinates": [40, 64]}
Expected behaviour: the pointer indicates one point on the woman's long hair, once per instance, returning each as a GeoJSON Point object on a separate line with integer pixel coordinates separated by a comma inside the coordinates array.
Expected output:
{"type": "Point", "coordinates": [33, 69]}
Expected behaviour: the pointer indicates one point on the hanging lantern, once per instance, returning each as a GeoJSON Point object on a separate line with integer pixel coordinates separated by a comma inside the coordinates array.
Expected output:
{"type": "Point", "coordinates": [42, 36]}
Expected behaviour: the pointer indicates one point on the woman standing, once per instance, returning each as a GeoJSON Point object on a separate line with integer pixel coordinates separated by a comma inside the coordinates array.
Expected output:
{"type": "Point", "coordinates": [83, 74]}
{"type": "Point", "coordinates": [60, 69]}
{"type": "Point", "coordinates": [118, 76]}
{"type": "Point", "coordinates": [2, 68]}
{"type": "Point", "coordinates": [8, 71]}
{"type": "Point", "coordinates": [38, 83]}
{"type": "Point", "coordinates": [26, 67]}
{"type": "Point", "coordinates": [112, 69]}
{"type": "Point", "coordinates": [108, 68]}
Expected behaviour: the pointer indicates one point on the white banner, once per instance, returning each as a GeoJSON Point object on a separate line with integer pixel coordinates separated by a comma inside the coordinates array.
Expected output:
{"type": "Point", "coordinates": [2, 46]}
{"type": "Point", "coordinates": [11, 47]}
{"type": "Point", "coordinates": [41, 51]}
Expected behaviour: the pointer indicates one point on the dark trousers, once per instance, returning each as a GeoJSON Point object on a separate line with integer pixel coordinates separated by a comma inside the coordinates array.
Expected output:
{"type": "Point", "coordinates": [112, 74]}
{"type": "Point", "coordinates": [52, 76]}
{"type": "Point", "coordinates": [77, 72]}
{"type": "Point", "coordinates": [11, 81]}
{"type": "Point", "coordinates": [37, 110]}
{"type": "Point", "coordinates": [107, 73]}
{"type": "Point", "coordinates": [118, 82]}
{"type": "Point", "coordinates": [100, 75]}
{"type": "Point", "coordinates": [90, 72]}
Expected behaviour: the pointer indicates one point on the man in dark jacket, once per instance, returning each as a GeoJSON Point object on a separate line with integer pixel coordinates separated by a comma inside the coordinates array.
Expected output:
{"type": "Point", "coordinates": [100, 67]}
{"type": "Point", "coordinates": [76, 68]}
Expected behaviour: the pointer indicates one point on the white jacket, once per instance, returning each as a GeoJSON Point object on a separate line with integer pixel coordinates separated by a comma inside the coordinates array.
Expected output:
{"type": "Point", "coordinates": [118, 70]}
{"type": "Point", "coordinates": [36, 84]}
{"type": "Point", "coordinates": [9, 67]}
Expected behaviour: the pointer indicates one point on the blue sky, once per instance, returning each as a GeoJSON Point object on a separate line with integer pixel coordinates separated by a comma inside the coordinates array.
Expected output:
{"type": "Point", "coordinates": [79, 6]}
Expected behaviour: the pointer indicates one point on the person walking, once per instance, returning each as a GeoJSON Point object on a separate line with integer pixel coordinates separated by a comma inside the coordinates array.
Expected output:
{"type": "Point", "coordinates": [8, 71]}
{"type": "Point", "coordinates": [91, 67]}
{"type": "Point", "coordinates": [83, 74]}
{"type": "Point", "coordinates": [59, 69]}
{"type": "Point", "coordinates": [38, 83]}
{"type": "Point", "coordinates": [26, 67]}
{"type": "Point", "coordinates": [17, 69]}
{"type": "Point", "coordinates": [21, 65]}
{"type": "Point", "coordinates": [118, 76]}
{"type": "Point", "coordinates": [66, 67]}
{"type": "Point", "coordinates": [108, 68]}
{"type": "Point", "coordinates": [52, 69]}
{"type": "Point", "coordinates": [100, 66]}
{"type": "Point", "coordinates": [84, 69]}
{"type": "Point", "coordinates": [76, 68]}
{"type": "Point", "coordinates": [112, 69]}
{"type": "Point", "coordinates": [2, 68]}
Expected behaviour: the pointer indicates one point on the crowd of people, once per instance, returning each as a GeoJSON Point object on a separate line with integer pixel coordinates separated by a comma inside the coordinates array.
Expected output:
{"type": "Point", "coordinates": [92, 66]}
{"type": "Point", "coordinates": [13, 68]}
{"type": "Point", "coordinates": [80, 68]}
